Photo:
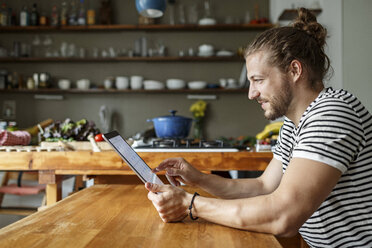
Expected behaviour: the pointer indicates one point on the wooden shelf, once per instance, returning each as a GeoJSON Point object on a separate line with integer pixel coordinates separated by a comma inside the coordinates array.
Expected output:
{"type": "Point", "coordinates": [116, 91]}
{"type": "Point", "coordinates": [129, 27]}
{"type": "Point", "coordinates": [125, 59]}
{"type": "Point", "coordinates": [290, 14]}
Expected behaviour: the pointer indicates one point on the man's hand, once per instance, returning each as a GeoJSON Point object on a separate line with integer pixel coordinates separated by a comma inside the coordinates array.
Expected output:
{"type": "Point", "coordinates": [179, 170]}
{"type": "Point", "coordinates": [172, 204]}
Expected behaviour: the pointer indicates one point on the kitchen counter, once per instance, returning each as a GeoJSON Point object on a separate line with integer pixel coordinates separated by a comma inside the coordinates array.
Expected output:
{"type": "Point", "coordinates": [53, 165]}
{"type": "Point", "coordinates": [120, 216]}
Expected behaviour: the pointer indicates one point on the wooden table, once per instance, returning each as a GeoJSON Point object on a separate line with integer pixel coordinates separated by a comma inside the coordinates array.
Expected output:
{"type": "Point", "coordinates": [120, 216]}
{"type": "Point", "coordinates": [53, 165]}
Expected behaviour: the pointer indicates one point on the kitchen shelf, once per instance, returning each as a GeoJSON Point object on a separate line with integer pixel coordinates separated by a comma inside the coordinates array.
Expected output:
{"type": "Point", "coordinates": [116, 91]}
{"type": "Point", "coordinates": [290, 14]}
{"type": "Point", "coordinates": [125, 59]}
{"type": "Point", "coordinates": [129, 27]}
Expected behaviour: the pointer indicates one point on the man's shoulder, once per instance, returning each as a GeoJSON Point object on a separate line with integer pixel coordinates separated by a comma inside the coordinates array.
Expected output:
{"type": "Point", "coordinates": [333, 101]}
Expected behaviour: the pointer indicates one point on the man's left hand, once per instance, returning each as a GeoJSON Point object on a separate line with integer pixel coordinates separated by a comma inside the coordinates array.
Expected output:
{"type": "Point", "coordinates": [172, 203]}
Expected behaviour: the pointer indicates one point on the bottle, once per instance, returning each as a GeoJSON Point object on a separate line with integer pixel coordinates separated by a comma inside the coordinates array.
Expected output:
{"type": "Point", "coordinates": [54, 16]}
{"type": "Point", "coordinates": [81, 16]}
{"type": "Point", "coordinates": [12, 17]}
{"type": "Point", "coordinates": [171, 8]}
{"type": "Point", "coordinates": [43, 20]}
{"type": "Point", "coordinates": [4, 15]}
{"type": "Point", "coordinates": [64, 13]}
{"type": "Point", "coordinates": [91, 15]}
{"type": "Point", "coordinates": [24, 17]}
{"type": "Point", "coordinates": [72, 15]}
{"type": "Point", "coordinates": [34, 16]}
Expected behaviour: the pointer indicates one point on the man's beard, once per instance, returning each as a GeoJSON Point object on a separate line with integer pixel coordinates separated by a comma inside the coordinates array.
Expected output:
{"type": "Point", "coordinates": [279, 103]}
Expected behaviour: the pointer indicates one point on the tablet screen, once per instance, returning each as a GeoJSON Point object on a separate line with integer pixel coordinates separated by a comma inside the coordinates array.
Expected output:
{"type": "Point", "coordinates": [134, 161]}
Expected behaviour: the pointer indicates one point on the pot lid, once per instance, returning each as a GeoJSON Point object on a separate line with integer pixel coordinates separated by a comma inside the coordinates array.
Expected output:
{"type": "Point", "coordinates": [173, 116]}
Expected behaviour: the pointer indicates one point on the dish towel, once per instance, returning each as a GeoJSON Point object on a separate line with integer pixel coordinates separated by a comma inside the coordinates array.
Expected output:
{"type": "Point", "coordinates": [12, 138]}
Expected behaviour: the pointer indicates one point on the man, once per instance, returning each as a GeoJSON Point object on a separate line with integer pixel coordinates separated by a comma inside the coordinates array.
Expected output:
{"type": "Point", "coordinates": [319, 181]}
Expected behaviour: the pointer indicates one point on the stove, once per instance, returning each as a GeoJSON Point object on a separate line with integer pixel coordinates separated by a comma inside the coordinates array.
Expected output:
{"type": "Point", "coordinates": [185, 145]}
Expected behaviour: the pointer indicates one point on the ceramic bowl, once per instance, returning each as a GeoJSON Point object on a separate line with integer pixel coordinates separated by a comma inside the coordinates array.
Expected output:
{"type": "Point", "coordinates": [197, 85]}
{"type": "Point", "coordinates": [64, 84]}
{"type": "Point", "coordinates": [174, 83]}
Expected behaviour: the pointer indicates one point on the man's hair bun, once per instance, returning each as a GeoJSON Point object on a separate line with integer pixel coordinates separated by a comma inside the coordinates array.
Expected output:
{"type": "Point", "coordinates": [306, 21]}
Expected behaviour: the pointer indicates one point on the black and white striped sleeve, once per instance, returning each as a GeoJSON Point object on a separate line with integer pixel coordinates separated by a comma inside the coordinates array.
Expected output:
{"type": "Point", "coordinates": [333, 134]}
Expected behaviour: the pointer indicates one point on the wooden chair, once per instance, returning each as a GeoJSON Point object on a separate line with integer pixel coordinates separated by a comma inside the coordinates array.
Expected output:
{"type": "Point", "coordinates": [21, 189]}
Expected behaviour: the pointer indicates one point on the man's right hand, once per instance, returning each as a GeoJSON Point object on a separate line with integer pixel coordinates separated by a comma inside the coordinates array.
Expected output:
{"type": "Point", "coordinates": [179, 170]}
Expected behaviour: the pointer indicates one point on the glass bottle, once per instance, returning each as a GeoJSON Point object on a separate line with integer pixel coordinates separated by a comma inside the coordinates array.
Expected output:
{"type": "Point", "coordinates": [54, 16]}
{"type": "Point", "coordinates": [72, 14]}
{"type": "Point", "coordinates": [171, 9]}
{"type": "Point", "coordinates": [12, 17]}
{"type": "Point", "coordinates": [43, 20]}
{"type": "Point", "coordinates": [64, 13]}
{"type": "Point", "coordinates": [34, 16]}
{"type": "Point", "coordinates": [81, 17]}
{"type": "Point", "coordinates": [207, 9]}
{"type": "Point", "coordinates": [24, 17]}
{"type": "Point", "coordinates": [4, 15]}
{"type": "Point", "coordinates": [91, 15]}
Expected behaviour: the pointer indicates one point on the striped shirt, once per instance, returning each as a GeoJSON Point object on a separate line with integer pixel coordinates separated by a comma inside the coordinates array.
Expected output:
{"type": "Point", "coordinates": [335, 129]}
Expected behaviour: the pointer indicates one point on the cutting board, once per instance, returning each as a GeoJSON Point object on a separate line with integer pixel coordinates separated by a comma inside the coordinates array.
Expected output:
{"type": "Point", "coordinates": [77, 145]}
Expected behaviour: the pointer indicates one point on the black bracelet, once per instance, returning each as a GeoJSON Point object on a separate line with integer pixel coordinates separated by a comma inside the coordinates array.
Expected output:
{"type": "Point", "coordinates": [190, 207]}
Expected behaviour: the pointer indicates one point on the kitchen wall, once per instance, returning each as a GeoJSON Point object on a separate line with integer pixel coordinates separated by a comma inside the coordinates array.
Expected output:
{"type": "Point", "coordinates": [229, 115]}
{"type": "Point", "coordinates": [331, 19]}
{"type": "Point", "coordinates": [357, 52]}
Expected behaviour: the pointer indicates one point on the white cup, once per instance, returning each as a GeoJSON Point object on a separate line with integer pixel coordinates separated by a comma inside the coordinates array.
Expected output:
{"type": "Point", "coordinates": [136, 82]}
{"type": "Point", "coordinates": [83, 84]}
{"type": "Point", "coordinates": [232, 83]}
{"type": "Point", "coordinates": [122, 83]}
{"type": "Point", "coordinates": [108, 83]}
{"type": "Point", "coordinates": [64, 84]}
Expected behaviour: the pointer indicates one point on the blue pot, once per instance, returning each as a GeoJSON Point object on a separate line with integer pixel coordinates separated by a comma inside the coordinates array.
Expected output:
{"type": "Point", "coordinates": [172, 126]}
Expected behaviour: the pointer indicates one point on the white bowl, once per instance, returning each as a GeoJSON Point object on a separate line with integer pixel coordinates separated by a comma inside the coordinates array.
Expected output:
{"type": "Point", "coordinates": [174, 83]}
{"type": "Point", "coordinates": [207, 21]}
{"type": "Point", "coordinates": [64, 84]}
{"type": "Point", "coordinates": [153, 85]}
{"type": "Point", "coordinates": [122, 83]}
{"type": "Point", "coordinates": [83, 84]}
{"type": "Point", "coordinates": [197, 85]}
{"type": "Point", "coordinates": [205, 48]}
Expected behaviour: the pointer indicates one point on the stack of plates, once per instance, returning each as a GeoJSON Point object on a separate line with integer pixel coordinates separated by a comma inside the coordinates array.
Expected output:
{"type": "Point", "coordinates": [153, 85]}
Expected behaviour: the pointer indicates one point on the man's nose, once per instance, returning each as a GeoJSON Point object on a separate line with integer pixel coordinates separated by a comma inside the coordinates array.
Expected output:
{"type": "Point", "coordinates": [253, 93]}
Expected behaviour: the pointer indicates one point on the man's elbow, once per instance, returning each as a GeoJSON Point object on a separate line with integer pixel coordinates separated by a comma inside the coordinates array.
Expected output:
{"type": "Point", "coordinates": [285, 227]}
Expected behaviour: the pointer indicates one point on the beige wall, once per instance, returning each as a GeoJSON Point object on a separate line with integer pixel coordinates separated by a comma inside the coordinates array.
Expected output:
{"type": "Point", "coordinates": [357, 52]}
{"type": "Point", "coordinates": [229, 115]}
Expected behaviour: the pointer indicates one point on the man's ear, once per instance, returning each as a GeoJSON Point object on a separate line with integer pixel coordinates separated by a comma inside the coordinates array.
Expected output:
{"type": "Point", "coordinates": [295, 70]}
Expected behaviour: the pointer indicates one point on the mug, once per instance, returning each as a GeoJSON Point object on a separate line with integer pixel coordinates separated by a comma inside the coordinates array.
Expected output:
{"type": "Point", "coordinates": [108, 83]}
{"type": "Point", "coordinates": [136, 82]}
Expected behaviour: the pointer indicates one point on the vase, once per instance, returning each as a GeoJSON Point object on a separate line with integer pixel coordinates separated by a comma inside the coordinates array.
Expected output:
{"type": "Point", "coordinates": [198, 129]}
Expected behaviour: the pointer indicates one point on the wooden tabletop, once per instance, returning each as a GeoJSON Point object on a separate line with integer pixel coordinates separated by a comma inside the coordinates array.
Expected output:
{"type": "Point", "coordinates": [120, 216]}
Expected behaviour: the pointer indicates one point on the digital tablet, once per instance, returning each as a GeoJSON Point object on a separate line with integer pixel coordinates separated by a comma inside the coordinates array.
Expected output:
{"type": "Point", "coordinates": [134, 161]}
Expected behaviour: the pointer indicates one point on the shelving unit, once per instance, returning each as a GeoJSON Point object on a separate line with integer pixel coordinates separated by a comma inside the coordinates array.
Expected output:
{"type": "Point", "coordinates": [128, 27]}
{"type": "Point", "coordinates": [124, 59]}
{"type": "Point", "coordinates": [104, 91]}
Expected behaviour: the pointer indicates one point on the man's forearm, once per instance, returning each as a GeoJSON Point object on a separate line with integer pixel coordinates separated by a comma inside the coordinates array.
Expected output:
{"type": "Point", "coordinates": [261, 214]}
{"type": "Point", "coordinates": [231, 188]}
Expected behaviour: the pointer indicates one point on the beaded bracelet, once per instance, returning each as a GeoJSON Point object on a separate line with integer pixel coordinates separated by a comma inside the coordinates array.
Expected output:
{"type": "Point", "coordinates": [190, 207]}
